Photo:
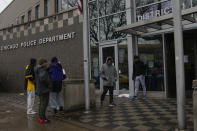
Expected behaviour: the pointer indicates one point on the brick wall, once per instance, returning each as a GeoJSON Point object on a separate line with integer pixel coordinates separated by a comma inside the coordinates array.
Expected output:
{"type": "Point", "coordinates": [69, 52]}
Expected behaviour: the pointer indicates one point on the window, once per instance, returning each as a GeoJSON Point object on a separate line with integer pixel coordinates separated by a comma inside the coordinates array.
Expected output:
{"type": "Point", "coordinates": [107, 7]}
{"type": "Point", "coordinates": [108, 24]}
{"type": "Point", "coordinates": [17, 21]}
{"type": "Point", "coordinates": [64, 4]}
{"type": "Point", "coordinates": [151, 54]}
{"type": "Point", "coordinates": [29, 15]}
{"type": "Point", "coordinates": [56, 6]}
{"type": "Point", "coordinates": [194, 3]}
{"type": "Point", "coordinates": [22, 19]}
{"type": "Point", "coordinates": [186, 4]}
{"type": "Point", "coordinates": [37, 12]}
{"type": "Point", "coordinates": [46, 7]}
{"type": "Point", "coordinates": [105, 16]}
{"type": "Point", "coordinates": [145, 2]}
{"type": "Point", "coordinates": [93, 10]}
{"type": "Point", "coordinates": [61, 5]}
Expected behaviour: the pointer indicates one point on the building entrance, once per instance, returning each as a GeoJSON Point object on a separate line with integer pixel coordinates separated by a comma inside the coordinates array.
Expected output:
{"type": "Point", "coordinates": [190, 56]}
{"type": "Point", "coordinates": [150, 52]}
{"type": "Point", "coordinates": [109, 50]}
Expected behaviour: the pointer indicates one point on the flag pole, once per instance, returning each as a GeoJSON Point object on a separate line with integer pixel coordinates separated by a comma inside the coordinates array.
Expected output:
{"type": "Point", "coordinates": [86, 54]}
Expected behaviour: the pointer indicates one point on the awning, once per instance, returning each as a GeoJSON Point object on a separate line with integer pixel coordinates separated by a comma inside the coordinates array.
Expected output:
{"type": "Point", "coordinates": [159, 25]}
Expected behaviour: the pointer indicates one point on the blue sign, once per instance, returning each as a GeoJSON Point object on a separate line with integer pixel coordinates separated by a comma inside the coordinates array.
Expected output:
{"type": "Point", "coordinates": [153, 11]}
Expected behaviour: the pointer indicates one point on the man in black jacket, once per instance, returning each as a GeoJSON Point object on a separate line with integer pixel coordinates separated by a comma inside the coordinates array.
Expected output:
{"type": "Point", "coordinates": [139, 76]}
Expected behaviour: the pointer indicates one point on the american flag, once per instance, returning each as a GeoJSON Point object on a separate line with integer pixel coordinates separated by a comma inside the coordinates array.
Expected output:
{"type": "Point", "coordinates": [80, 6]}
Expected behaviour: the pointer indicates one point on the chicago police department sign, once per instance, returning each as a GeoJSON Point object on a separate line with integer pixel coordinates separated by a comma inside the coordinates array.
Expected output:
{"type": "Point", "coordinates": [41, 41]}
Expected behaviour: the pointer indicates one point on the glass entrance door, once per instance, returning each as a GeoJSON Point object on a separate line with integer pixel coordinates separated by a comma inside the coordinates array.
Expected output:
{"type": "Point", "coordinates": [105, 51]}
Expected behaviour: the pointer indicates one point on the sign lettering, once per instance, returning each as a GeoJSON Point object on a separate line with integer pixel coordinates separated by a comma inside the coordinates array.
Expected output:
{"type": "Point", "coordinates": [153, 11]}
{"type": "Point", "coordinates": [41, 41]}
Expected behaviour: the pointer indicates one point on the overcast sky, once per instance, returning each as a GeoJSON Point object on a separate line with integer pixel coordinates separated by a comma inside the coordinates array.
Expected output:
{"type": "Point", "coordinates": [4, 4]}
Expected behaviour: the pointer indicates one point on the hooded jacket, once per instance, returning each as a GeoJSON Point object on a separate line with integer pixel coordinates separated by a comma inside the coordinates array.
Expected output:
{"type": "Point", "coordinates": [56, 72]}
{"type": "Point", "coordinates": [43, 81]}
{"type": "Point", "coordinates": [29, 78]}
{"type": "Point", "coordinates": [108, 74]}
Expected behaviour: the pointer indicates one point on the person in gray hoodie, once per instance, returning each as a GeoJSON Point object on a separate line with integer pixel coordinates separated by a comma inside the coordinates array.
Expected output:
{"type": "Point", "coordinates": [109, 75]}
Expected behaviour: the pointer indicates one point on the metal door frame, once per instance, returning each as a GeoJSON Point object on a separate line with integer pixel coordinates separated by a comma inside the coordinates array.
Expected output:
{"type": "Point", "coordinates": [104, 45]}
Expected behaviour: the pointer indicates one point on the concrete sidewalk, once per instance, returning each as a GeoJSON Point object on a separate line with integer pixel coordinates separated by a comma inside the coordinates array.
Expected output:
{"type": "Point", "coordinates": [13, 117]}
{"type": "Point", "coordinates": [137, 115]}
{"type": "Point", "coordinates": [133, 115]}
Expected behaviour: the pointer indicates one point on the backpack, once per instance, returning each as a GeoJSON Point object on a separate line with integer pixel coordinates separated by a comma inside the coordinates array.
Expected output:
{"type": "Point", "coordinates": [56, 72]}
{"type": "Point", "coordinates": [43, 75]}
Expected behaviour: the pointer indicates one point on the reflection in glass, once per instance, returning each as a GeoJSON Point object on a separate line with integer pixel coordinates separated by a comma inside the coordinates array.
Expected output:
{"type": "Point", "coordinates": [186, 4]}
{"type": "Point", "coordinates": [93, 10]}
{"type": "Point", "coordinates": [94, 31]}
{"type": "Point", "coordinates": [107, 7]}
{"type": "Point", "coordinates": [108, 25]}
{"type": "Point", "coordinates": [151, 53]}
{"type": "Point", "coordinates": [145, 2]}
{"type": "Point", "coordinates": [123, 64]}
{"type": "Point", "coordinates": [194, 3]}
{"type": "Point", "coordinates": [95, 66]}
{"type": "Point", "coordinates": [72, 3]}
{"type": "Point", "coordinates": [65, 4]}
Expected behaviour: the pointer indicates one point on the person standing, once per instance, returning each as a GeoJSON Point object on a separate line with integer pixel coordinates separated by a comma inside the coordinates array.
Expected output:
{"type": "Point", "coordinates": [139, 76]}
{"type": "Point", "coordinates": [57, 75]}
{"type": "Point", "coordinates": [43, 83]}
{"type": "Point", "coordinates": [109, 76]}
{"type": "Point", "coordinates": [30, 86]}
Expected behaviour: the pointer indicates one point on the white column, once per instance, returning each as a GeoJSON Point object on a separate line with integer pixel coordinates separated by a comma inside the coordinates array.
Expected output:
{"type": "Point", "coordinates": [179, 58]}
{"type": "Point", "coordinates": [130, 19]}
{"type": "Point", "coordinates": [164, 65]}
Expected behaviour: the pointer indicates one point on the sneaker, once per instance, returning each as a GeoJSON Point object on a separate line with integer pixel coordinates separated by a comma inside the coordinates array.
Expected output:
{"type": "Point", "coordinates": [55, 111]}
{"type": "Point", "coordinates": [134, 97]}
{"type": "Point", "coordinates": [61, 108]}
{"type": "Point", "coordinates": [31, 113]}
{"type": "Point", "coordinates": [41, 121]}
{"type": "Point", "coordinates": [112, 104]}
{"type": "Point", "coordinates": [144, 97]}
{"type": "Point", "coordinates": [101, 104]}
{"type": "Point", "coordinates": [47, 121]}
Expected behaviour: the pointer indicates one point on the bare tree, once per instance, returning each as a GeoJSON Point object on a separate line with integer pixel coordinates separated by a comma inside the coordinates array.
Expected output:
{"type": "Point", "coordinates": [72, 3]}
{"type": "Point", "coordinates": [107, 24]}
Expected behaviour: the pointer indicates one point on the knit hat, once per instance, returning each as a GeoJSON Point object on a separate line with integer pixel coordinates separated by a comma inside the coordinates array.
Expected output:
{"type": "Point", "coordinates": [42, 61]}
{"type": "Point", "coordinates": [54, 59]}
{"type": "Point", "coordinates": [32, 61]}
{"type": "Point", "coordinates": [136, 57]}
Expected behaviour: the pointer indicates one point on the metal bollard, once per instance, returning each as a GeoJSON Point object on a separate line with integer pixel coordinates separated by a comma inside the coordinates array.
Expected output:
{"type": "Point", "coordinates": [195, 103]}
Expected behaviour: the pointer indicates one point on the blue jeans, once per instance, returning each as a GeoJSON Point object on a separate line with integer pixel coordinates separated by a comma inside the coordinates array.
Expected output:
{"type": "Point", "coordinates": [140, 80]}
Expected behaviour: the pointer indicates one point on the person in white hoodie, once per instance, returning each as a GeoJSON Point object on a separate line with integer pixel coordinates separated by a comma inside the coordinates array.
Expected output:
{"type": "Point", "coordinates": [109, 75]}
